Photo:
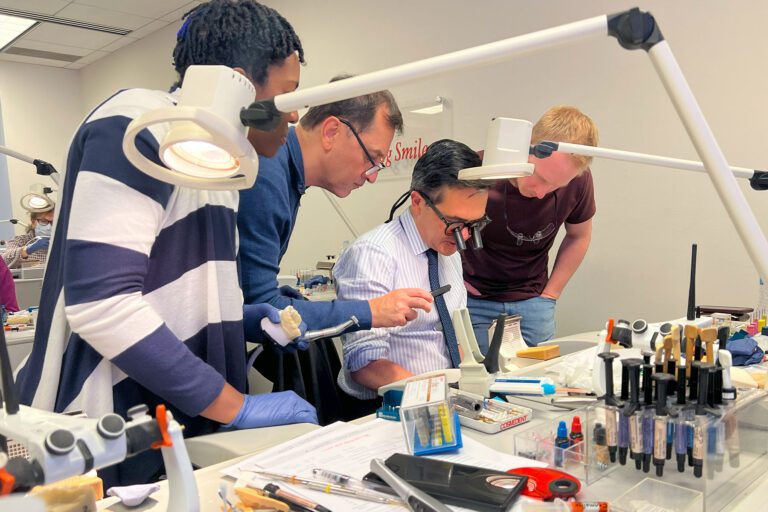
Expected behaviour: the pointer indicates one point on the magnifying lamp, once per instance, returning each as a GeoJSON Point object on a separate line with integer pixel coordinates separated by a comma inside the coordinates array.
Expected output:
{"type": "Point", "coordinates": [207, 145]}
{"type": "Point", "coordinates": [221, 121]}
{"type": "Point", "coordinates": [506, 151]}
{"type": "Point", "coordinates": [43, 167]}
{"type": "Point", "coordinates": [37, 200]}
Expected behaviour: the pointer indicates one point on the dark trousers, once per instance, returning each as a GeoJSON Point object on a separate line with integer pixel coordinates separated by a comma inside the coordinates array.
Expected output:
{"type": "Point", "coordinates": [310, 373]}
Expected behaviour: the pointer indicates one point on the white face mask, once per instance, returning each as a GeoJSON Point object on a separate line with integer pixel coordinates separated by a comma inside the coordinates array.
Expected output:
{"type": "Point", "coordinates": [41, 230]}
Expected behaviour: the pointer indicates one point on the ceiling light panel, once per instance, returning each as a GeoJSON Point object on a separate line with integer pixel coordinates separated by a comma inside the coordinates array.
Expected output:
{"type": "Point", "coordinates": [11, 28]}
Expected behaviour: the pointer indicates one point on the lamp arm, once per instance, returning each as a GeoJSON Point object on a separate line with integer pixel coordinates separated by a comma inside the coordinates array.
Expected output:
{"type": "Point", "coordinates": [545, 148]}
{"type": "Point", "coordinates": [43, 167]}
{"type": "Point", "coordinates": [265, 111]}
{"type": "Point", "coordinates": [731, 195]}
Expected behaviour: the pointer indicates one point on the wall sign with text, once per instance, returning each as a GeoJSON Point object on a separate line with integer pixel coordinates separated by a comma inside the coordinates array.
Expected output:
{"type": "Point", "coordinates": [425, 123]}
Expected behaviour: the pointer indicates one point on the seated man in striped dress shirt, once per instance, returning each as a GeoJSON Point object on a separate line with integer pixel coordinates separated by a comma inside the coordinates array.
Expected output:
{"type": "Point", "coordinates": [395, 255]}
{"type": "Point", "coordinates": [141, 302]}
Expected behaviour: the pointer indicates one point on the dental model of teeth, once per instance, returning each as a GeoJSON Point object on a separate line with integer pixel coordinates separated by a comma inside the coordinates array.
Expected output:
{"type": "Point", "coordinates": [288, 328]}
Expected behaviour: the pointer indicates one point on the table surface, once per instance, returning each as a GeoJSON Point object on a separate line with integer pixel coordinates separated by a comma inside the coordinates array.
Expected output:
{"type": "Point", "coordinates": [604, 489]}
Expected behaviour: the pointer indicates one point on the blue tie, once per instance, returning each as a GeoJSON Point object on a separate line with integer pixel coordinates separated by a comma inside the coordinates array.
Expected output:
{"type": "Point", "coordinates": [442, 310]}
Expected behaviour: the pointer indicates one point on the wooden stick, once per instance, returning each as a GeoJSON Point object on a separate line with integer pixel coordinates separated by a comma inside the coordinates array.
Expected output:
{"type": "Point", "coordinates": [708, 336]}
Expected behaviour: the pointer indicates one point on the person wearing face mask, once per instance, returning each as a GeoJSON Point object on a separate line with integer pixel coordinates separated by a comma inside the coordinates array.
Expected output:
{"type": "Point", "coordinates": [418, 249]}
{"type": "Point", "coordinates": [510, 275]}
{"type": "Point", "coordinates": [31, 248]}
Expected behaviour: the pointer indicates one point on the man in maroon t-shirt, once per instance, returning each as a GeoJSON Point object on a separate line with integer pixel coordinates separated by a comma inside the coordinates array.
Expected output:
{"type": "Point", "coordinates": [510, 274]}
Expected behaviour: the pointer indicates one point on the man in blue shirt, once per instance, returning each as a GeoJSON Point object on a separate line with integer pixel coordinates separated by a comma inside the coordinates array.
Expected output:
{"type": "Point", "coordinates": [337, 147]}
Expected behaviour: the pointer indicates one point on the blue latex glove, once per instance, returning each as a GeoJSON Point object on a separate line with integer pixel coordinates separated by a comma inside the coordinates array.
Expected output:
{"type": "Point", "coordinates": [252, 315]}
{"type": "Point", "coordinates": [315, 281]}
{"type": "Point", "coordinates": [297, 344]}
{"type": "Point", "coordinates": [38, 244]}
{"type": "Point", "coordinates": [272, 409]}
{"type": "Point", "coordinates": [291, 292]}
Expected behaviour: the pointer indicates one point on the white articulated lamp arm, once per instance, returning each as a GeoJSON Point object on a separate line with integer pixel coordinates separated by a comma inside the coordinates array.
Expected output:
{"type": "Point", "coordinates": [43, 167]}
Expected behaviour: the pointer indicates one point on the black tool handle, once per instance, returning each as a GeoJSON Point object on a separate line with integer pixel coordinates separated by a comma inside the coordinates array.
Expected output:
{"type": "Point", "coordinates": [609, 397]}
{"type": "Point", "coordinates": [647, 384]}
{"type": "Point", "coordinates": [681, 385]}
{"type": "Point", "coordinates": [491, 360]}
{"type": "Point", "coordinates": [662, 381]}
{"type": "Point", "coordinates": [701, 404]}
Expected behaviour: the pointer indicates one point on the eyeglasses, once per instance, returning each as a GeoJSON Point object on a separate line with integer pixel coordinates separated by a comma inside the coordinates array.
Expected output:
{"type": "Point", "coordinates": [43, 222]}
{"type": "Point", "coordinates": [456, 227]}
{"type": "Point", "coordinates": [375, 167]}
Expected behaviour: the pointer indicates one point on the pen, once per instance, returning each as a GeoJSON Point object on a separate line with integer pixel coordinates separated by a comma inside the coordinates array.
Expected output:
{"type": "Point", "coordinates": [527, 380]}
{"type": "Point", "coordinates": [350, 481]}
{"type": "Point", "coordinates": [439, 291]}
{"type": "Point", "coordinates": [331, 488]}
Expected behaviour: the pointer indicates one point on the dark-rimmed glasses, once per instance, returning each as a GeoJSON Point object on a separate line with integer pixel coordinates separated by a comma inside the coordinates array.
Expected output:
{"type": "Point", "coordinates": [456, 227]}
{"type": "Point", "coordinates": [375, 167]}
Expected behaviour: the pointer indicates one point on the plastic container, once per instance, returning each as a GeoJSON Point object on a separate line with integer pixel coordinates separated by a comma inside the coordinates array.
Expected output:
{"type": "Point", "coordinates": [538, 442]}
{"type": "Point", "coordinates": [510, 416]}
{"type": "Point", "coordinates": [733, 456]}
{"type": "Point", "coordinates": [651, 494]}
{"type": "Point", "coordinates": [429, 422]}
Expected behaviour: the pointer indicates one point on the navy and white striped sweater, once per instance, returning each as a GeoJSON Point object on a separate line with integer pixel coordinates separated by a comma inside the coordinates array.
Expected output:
{"type": "Point", "coordinates": [141, 284]}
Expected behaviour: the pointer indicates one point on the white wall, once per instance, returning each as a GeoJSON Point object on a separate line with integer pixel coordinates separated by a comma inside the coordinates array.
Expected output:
{"type": "Point", "coordinates": [41, 109]}
{"type": "Point", "coordinates": [647, 217]}
{"type": "Point", "coordinates": [147, 63]}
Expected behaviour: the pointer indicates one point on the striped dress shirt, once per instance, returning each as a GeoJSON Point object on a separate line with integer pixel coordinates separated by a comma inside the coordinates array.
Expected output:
{"type": "Point", "coordinates": [141, 301]}
{"type": "Point", "coordinates": [389, 257]}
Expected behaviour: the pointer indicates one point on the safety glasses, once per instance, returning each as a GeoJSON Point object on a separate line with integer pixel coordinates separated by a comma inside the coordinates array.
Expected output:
{"type": "Point", "coordinates": [456, 227]}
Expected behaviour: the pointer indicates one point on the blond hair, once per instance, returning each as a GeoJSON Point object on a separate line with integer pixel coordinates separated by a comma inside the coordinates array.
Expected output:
{"type": "Point", "coordinates": [563, 123]}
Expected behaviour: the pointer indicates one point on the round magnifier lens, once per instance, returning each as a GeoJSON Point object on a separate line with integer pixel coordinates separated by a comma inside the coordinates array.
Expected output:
{"type": "Point", "coordinates": [37, 202]}
{"type": "Point", "coordinates": [201, 159]}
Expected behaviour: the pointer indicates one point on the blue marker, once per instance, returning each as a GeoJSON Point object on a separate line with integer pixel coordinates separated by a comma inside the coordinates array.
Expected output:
{"type": "Point", "coordinates": [562, 442]}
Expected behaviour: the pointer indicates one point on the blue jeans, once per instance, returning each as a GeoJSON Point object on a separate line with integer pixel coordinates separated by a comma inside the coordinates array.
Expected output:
{"type": "Point", "coordinates": [537, 324]}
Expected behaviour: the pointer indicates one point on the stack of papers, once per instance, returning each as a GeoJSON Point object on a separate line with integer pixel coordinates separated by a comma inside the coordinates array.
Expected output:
{"type": "Point", "coordinates": [348, 448]}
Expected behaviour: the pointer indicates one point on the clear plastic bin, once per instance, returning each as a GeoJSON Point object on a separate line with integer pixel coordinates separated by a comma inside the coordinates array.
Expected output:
{"type": "Point", "coordinates": [659, 496]}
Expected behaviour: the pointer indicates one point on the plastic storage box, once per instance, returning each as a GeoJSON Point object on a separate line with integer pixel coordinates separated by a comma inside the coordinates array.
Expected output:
{"type": "Point", "coordinates": [429, 422]}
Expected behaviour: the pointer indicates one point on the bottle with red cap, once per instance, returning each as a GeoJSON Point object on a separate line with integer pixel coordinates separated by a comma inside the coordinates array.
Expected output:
{"type": "Point", "coordinates": [576, 435]}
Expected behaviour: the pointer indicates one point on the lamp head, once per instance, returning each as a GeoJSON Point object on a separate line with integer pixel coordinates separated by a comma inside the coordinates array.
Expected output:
{"type": "Point", "coordinates": [206, 146]}
{"type": "Point", "coordinates": [37, 200]}
{"type": "Point", "coordinates": [506, 151]}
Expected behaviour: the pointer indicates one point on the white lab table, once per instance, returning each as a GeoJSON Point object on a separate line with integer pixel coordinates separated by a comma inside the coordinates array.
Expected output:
{"type": "Point", "coordinates": [607, 488]}
{"type": "Point", "coordinates": [19, 345]}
